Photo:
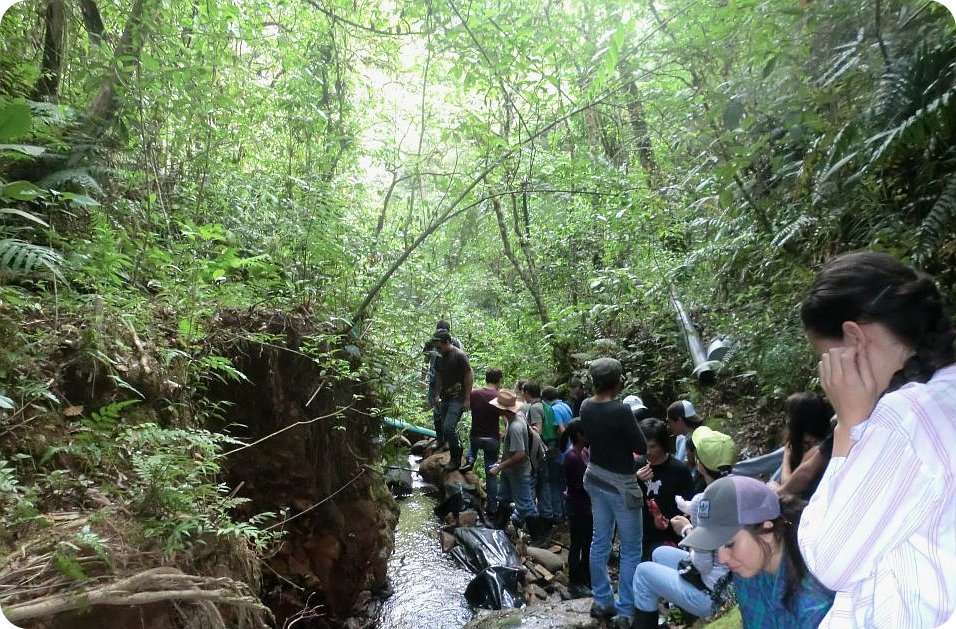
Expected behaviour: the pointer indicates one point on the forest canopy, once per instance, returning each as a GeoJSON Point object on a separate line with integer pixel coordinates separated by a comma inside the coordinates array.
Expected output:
{"type": "Point", "coordinates": [545, 175]}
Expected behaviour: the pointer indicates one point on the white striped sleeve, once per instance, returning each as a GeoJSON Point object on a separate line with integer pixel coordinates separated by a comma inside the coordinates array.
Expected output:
{"type": "Point", "coordinates": [866, 504]}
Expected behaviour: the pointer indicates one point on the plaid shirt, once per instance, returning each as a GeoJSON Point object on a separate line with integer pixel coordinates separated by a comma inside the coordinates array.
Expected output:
{"type": "Point", "coordinates": [761, 602]}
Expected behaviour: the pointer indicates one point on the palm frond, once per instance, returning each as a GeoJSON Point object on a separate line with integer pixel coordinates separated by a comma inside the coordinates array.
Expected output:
{"type": "Point", "coordinates": [77, 176]}
{"type": "Point", "coordinates": [20, 258]}
{"type": "Point", "coordinates": [938, 222]}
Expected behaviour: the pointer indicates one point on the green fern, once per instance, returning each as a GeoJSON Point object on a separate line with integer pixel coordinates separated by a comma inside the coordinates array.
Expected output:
{"type": "Point", "coordinates": [19, 258]}
{"type": "Point", "coordinates": [938, 222]}
{"type": "Point", "coordinates": [76, 176]}
{"type": "Point", "coordinates": [931, 120]}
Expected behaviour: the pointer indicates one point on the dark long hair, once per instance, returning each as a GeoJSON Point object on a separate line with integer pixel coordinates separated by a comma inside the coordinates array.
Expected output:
{"type": "Point", "coordinates": [785, 533]}
{"type": "Point", "coordinates": [871, 287]}
{"type": "Point", "coordinates": [573, 433]}
{"type": "Point", "coordinates": [807, 413]}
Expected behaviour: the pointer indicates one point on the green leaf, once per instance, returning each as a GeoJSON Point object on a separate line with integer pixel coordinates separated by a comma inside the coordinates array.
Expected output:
{"type": "Point", "coordinates": [14, 121]}
{"type": "Point", "coordinates": [79, 199]}
{"type": "Point", "coordinates": [21, 191]}
{"type": "Point", "coordinates": [33, 151]}
{"type": "Point", "coordinates": [26, 215]}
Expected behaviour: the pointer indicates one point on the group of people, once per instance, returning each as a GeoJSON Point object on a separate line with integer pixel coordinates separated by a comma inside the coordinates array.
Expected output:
{"type": "Point", "coordinates": [858, 528]}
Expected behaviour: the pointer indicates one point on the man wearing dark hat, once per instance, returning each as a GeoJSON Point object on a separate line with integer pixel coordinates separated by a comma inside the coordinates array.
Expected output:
{"type": "Point", "coordinates": [431, 357]}
{"type": "Point", "coordinates": [453, 381]}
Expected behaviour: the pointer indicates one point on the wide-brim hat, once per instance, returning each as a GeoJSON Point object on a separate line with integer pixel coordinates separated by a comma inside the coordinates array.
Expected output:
{"type": "Point", "coordinates": [506, 401]}
{"type": "Point", "coordinates": [728, 505]}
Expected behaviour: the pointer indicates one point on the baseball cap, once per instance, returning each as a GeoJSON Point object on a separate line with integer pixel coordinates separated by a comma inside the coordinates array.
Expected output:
{"type": "Point", "coordinates": [634, 402]}
{"type": "Point", "coordinates": [729, 504]}
{"type": "Point", "coordinates": [714, 449]}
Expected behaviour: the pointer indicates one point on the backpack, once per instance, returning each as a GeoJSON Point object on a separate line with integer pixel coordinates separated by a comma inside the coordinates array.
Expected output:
{"type": "Point", "coordinates": [549, 429]}
{"type": "Point", "coordinates": [536, 449]}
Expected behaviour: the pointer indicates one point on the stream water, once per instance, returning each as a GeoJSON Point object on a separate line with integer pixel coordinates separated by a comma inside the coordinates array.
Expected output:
{"type": "Point", "coordinates": [428, 585]}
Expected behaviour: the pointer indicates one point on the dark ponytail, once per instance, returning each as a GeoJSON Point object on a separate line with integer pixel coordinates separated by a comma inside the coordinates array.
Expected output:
{"type": "Point", "coordinates": [870, 287]}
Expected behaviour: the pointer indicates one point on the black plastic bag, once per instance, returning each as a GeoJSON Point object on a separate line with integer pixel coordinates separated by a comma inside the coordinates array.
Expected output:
{"type": "Point", "coordinates": [479, 548]}
{"type": "Point", "coordinates": [495, 587]}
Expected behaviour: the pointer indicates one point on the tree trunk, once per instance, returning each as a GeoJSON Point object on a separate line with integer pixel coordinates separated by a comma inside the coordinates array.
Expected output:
{"type": "Point", "coordinates": [527, 277]}
{"type": "Point", "coordinates": [92, 22]}
{"type": "Point", "coordinates": [637, 118]}
{"type": "Point", "coordinates": [106, 104]}
{"type": "Point", "coordinates": [54, 39]}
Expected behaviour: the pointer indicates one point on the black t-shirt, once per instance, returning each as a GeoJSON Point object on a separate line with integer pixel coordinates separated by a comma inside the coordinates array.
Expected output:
{"type": "Point", "coordinates": [671, 479]}
{"type": "Point", "coordinates": [614, 435]}
{"type": "Point", "coordinates": [452, 368]}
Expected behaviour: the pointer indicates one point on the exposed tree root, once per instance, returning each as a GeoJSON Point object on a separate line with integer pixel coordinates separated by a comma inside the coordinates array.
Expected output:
{"type": "Point", "coordinates": [151, 586]}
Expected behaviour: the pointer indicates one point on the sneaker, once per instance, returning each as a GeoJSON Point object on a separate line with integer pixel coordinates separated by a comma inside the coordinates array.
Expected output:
{"type": "Point", "coordinates": [600, 611]}
{"type": "Point", "coordinates": [467, 467]}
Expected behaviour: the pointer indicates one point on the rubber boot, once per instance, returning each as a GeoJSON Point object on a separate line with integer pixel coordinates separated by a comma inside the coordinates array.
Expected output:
{"type": "Point", "coordinates": [538, 529]}
{"type": "Point", "coordinates": [645, 620]}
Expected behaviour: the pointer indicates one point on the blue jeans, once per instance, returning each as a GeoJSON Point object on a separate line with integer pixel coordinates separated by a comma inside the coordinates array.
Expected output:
{"type": "Point", "coordinates": [488, 446]}
{"type": "Point", "coordinates": [659, 579]}
{"type": "Point", "coordinates": [609, 508]}
{"type": "Point", "coordinates": [516, 487]}
{"type": "Point", "coordinates": [449, 412]}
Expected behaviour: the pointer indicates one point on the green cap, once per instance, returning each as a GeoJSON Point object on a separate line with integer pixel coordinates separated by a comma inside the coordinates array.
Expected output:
{"type": "Point", "coordinates": [714, 449]}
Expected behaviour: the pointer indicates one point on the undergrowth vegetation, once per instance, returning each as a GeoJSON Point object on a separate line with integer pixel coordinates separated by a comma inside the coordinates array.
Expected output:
{"type": "Point", "coordinates": [547, 177]}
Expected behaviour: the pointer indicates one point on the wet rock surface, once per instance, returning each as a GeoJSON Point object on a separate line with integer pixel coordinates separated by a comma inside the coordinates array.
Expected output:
{"type": "Point", "coordinates": [571, 614]}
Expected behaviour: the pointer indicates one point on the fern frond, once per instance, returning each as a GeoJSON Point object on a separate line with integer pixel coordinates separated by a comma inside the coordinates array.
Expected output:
{"type": "Point", "coordinates": [792, 229]}
{"type": "Point", "coordinates": [938, 222]}
{"type": "Point", "coordinates": [21, 258]}
{"type": "Point", "coordinates": [76, 176]}
{"type": "Point", "coordinates": [928, 121]}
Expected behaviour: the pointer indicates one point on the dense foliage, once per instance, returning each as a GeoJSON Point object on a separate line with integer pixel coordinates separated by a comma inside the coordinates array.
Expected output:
{"type": "Point", "coordinates": [545, 175]}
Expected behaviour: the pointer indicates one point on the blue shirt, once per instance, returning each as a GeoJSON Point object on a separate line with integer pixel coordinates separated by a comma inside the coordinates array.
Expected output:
{"type": "Point", "coordinates": [562, 413]}
{"type": "Point", "coordinates": [761, 601]}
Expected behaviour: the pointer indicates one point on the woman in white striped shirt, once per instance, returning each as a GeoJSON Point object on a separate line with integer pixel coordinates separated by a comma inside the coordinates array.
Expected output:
{"type": "Point", "coordinates": [881, 528]}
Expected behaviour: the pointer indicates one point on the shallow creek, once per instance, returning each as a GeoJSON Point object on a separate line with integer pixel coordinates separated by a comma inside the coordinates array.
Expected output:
{"type": "Point", "coordinates": [428, 585]}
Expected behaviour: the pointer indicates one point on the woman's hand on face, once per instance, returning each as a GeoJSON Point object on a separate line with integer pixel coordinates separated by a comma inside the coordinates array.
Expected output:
{"type": "Point", "coordinates": [847, 377]}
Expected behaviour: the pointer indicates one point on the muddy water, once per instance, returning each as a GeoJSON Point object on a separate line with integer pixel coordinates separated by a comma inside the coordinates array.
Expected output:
{"type": "Point", "coordinates": [428, 585]}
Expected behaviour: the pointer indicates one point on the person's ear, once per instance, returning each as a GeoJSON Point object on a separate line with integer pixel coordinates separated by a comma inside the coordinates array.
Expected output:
{"type": "Point", "coordinates": [767, 526]}
{"type": "Point", "coordinates": [853, 334]}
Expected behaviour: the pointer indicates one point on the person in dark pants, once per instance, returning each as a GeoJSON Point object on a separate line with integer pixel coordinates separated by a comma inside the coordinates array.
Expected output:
{"type": "Point", "coordinates": [453, 381]}
{"type": "Point", "coordinates": [431, 357]}
{"type": "Point", "coordinates": [485, 435]}
{"type": "Point", "coordinates": [578, 508]}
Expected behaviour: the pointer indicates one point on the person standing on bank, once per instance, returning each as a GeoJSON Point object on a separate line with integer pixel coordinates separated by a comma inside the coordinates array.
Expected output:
{"type": "Point", "coordinates": [431, 357]}
{"type": "Point", "coordinates": [612, 485]}
{"type": "Point", "coordinates": [514, 470]}
{"type": "Point", "coordinates": [485, 434]}
{"type": "Point", "coordinates": [453, 381]}
{"type": "Point", "coordinates": [880, 529]}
